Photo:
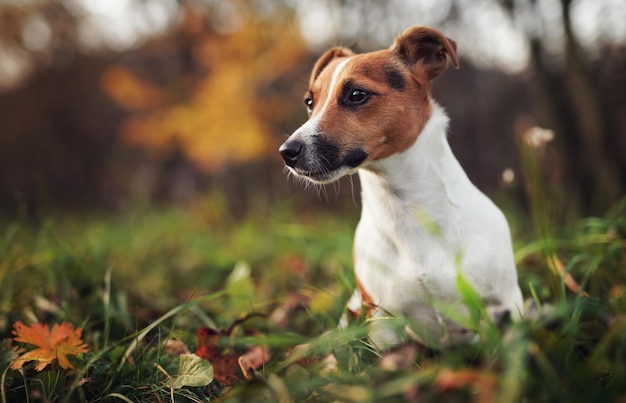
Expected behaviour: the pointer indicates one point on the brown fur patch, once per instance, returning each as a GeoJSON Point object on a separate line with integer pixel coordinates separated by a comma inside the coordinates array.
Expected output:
{"type": "Point", "coordinates": [390, 121]}
{"type": "Point", "coordinates": [426, 48]}
{"type": "Point", "coordinates": [327, 57]}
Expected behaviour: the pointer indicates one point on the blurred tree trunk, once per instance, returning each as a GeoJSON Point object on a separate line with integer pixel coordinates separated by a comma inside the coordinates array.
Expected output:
{"type": "Point", "coordinates": [597, 128]}
{"type": "Point", "coordinates": [551, 106]}
{"type": "Point", "coordinates": [568, 101]}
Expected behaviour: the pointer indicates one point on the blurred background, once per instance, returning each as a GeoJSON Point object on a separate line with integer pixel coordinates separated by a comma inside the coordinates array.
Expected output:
{"type": "Point", "coordinates": [108, 104]}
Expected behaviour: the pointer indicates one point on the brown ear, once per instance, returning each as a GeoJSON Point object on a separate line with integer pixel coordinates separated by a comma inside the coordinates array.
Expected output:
{"type": "Point", "coordinates": [428, 47]}
{"type": "Point", "coordinates": [326, 58]}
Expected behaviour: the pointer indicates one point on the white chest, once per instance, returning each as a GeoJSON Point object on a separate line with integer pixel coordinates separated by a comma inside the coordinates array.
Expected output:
{"type": "Point", "coordinates": [422, 223]}
{"type": "Point", "coordinates": [402, 259]}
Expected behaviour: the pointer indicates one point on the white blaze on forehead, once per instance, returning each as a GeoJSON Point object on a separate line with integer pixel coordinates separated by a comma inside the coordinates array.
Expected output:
{"type": "Point", "coordinates": [331, 90]}
{"type": "Point", "coordinates": [333, 83]}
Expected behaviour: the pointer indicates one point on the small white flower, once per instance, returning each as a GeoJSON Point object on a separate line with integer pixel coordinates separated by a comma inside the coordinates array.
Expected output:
{"type": "Point", "coordinates": [538, 137]}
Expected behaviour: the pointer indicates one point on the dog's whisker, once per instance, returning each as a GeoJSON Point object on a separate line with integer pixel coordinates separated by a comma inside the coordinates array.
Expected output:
{"type": "Point", "coordinates": [351, 178]}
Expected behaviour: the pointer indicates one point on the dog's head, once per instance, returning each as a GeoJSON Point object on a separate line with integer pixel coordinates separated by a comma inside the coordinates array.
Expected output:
{"type": "Point", "coordinates": [366, 107]}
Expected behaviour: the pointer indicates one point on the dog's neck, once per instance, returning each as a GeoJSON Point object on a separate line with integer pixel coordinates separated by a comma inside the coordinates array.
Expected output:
{"type": "Point", "coordinates": [426, 178]}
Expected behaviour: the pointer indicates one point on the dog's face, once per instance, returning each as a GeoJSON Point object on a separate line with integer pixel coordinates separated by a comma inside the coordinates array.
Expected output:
{"type": "Point", "coordinates": [366, 107]}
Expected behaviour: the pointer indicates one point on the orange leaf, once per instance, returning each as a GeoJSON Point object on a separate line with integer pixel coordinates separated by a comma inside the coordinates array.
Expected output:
{"type": "Point", "coordinates": [57, 344]}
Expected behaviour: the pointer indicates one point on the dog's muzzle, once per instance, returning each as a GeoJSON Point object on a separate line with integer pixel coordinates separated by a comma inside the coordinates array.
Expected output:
{"type": "Point", "coordinates": [318, 160]}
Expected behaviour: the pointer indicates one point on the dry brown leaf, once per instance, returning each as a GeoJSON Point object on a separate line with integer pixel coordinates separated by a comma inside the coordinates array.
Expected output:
{"type": "Point", "coordinates": [254, 358]}
{"type": "Point", "coordinates": [230, 367]}
{"type": "Point", "coordinates": [399, 358]}
{"type": "Point", "coordinates": [176, 347]}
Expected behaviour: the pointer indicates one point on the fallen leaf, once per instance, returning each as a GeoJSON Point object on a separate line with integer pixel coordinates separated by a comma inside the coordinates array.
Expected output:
{"type": "Point", "coordinates": [230, 367]}
{"type": "Point", "coordinates": [176, 347]}
{"type": "Point", "coordinates": [401, 357]}
{"type": "Point", "coordinates": [193, 371]}
{"type": "Point", "coordinates": [57, 344]}
{"type": "Point", "coordinates": [304, 356]}
{"type": "Point", "coordinates": [293, 303]}
{"type": "Point", "coordinates": [225, 364]}
{"type": "Point", "coordinates": [252, 359]}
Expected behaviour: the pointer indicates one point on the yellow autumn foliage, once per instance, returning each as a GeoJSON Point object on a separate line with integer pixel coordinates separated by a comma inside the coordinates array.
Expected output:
{"type": "Point", "coordinates": [129, 91]}
{"type": "Point", "coordinates": [225, 119]}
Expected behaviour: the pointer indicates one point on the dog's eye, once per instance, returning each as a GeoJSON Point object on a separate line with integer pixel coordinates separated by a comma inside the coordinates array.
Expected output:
{"type": "Point", "coordinates": [357, 96]}
{"type": "Point", "coordinates": [308, 101]}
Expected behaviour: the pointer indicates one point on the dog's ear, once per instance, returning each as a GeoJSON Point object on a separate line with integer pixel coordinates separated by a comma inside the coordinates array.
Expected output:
{"type": "Point", "coordinates": [326, 58]}
{"type": "Point", "coordinates": [427, 48]}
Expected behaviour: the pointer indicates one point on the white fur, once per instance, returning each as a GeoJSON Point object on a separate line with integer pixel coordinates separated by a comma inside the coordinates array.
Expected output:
{"type": "Point", "coordinates": [422, 221]}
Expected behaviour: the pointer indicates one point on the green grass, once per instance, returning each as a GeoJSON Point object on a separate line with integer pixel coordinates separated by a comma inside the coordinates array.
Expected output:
{"type": "Point", "coordinates": [133, 281]}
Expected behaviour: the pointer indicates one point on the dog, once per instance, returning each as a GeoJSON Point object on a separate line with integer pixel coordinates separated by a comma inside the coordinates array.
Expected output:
{"type": "Point", "coordinates": [423, 222]}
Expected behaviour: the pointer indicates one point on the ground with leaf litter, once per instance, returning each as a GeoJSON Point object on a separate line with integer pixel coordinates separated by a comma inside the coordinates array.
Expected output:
{"type": "Point", "coordinates": [180, 305]}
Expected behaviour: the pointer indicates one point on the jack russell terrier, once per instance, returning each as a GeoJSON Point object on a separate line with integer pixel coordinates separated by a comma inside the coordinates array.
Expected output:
{"type": "Point", "coordinates": [423, 221]}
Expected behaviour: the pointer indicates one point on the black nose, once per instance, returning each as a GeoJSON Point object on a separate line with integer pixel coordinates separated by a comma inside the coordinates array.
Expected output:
{"type": "Point", "coordinates": [291, 150]}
